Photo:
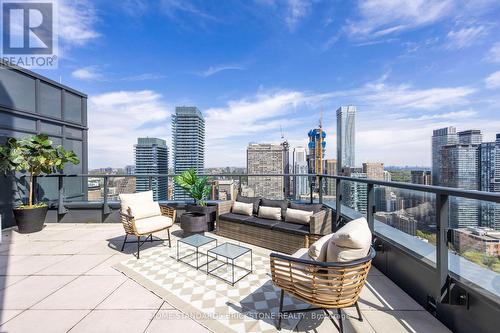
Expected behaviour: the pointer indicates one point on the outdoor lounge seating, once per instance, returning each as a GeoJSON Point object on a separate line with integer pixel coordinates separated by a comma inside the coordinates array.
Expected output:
{"type": "Point", "coordinates": [330, 274]}
{"type": "Point", "coordinates": [141, 216]}
{"type": "Point", "coordinates": [278, 235]}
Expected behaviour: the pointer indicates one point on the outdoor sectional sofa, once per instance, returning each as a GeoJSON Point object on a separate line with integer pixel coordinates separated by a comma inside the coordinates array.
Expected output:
{"type": "Point", "coordinates": [276, 235]}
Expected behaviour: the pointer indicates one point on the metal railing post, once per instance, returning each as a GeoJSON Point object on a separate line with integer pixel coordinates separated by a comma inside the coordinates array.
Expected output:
{"type": "Point", "coordinates": [370, 206]}
{"type": "Point", "coordinates": [338, 202]}
{"type": "Point", "coordinates": [311, 189]}
{"type": "Point", "coordinates": [320, 189]}
{"type": "Point", "coordinates": [60, 196]}
{"type": "Point", "coordinates": [150, 183]}
{"type": "Point", "coordinates": [239, 186]}
{"type": "Point", "coordinates": [442, 220]}
{"type": "Point", "coordinates": [105, 206]}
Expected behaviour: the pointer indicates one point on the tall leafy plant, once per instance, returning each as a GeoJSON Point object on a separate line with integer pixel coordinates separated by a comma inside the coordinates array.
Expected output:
{"type": "Point", "coordinates": [196, 187]}
{"type": "Point", "coordinates": [33, 156]}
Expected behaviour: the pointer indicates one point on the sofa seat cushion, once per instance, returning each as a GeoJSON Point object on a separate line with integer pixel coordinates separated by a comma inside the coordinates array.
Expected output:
{"type": "Point", "coordinates": [307, 207]}
{"type": "Point", "coordinates": [152, 224]}
{"type": "Point", "coordinates": [232, 217]}
{"type": "Point", "coordinates": [253, 200]}
{"type": "Point", "coordinates": [260, 222]}
{"type": "Point", "coordinates": [350, 242]}
{"type": "Point", "coordinates": [292, 228]}
{"type": "Point", "coordinates": [283, 204]}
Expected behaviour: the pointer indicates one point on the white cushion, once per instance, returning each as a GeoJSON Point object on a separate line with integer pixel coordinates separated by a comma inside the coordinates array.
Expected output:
{"type": "Point", "coordinates": [144, 209]}
{"type": "Point", "coordinates": [242, 208]}
{"type": "Point", "coordinates": [298, 216]}
{"type": "Point", "coordinates": [317, 251]}
{"type": "Point", "coordinates": [272, 213]}
{"type": "Point", "coordinates": [152, 224]}
{"type": "Point", "coordinates": [134, 198]}
{"type": "Point", "coordinates": [350, 242]}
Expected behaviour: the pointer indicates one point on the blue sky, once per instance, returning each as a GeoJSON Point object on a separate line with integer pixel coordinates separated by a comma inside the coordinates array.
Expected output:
{"type": "Point", "coordinates": [254, 66]}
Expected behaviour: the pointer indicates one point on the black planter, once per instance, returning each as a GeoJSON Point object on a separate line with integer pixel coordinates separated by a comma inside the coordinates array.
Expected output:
{"type": "Point", "coordinates": [210, 212]}
{"type": "Point", "coordinates": [193, 223]}
{"type": "Point", "coordinates": [30, 220]}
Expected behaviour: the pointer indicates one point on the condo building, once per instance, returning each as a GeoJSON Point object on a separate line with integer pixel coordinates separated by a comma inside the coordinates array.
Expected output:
{"type": "Point", "coordinates": [151, 157]}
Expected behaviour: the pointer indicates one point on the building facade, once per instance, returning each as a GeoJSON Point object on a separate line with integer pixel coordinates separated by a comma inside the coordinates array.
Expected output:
{"type": "Point", "coordinates": [151, 157]}
{"type": "Point", "coordinates": [266, 158]}
{"type": "Point", "coordinates": [489, 178]}
{"type": "Point", "coordinates": [374, 170]}
{"type": "Point", "coordinates": [188, 144]}
{"type": "Point", "coordinates": [300, 167]}
{"type": "Point", "coordinates": [440, 138]}
{"type": "Point", "coordinates": [32, 104]}
{"type": "Point", "coordinates": [346, 138]}
{"type": "Point", "coordinates": [330, 169]}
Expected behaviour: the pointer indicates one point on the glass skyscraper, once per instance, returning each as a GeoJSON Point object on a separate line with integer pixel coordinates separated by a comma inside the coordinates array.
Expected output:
{"type": "Point", "coordinates": [440, 138]}
{"type": "Point", "coordinates": [188, 142]}
{"type": "Point", "coordinates": [489, 166]}
{"type": "Point", "coordinates": [151, 157]}
{"type": "Point", "coordinates": [300, 167]}
{"type": "Point", "coordinates": [346, 137]}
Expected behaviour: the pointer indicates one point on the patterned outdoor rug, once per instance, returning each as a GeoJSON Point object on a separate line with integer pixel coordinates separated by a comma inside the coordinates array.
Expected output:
{"type": "Point", "coordinates": [250, 306]}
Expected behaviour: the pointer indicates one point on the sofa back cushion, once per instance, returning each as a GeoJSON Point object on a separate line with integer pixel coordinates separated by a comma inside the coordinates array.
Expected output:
{"type": "Point", "coordinates": [307, 207]}
{"type": "Point", "coordinates": [144, 210]}
{"type": "Point", "coordinates": [282, 204]}
{"type": "Point", "coordinates": [138, 198]}
{"type": "Point", "coordinates": [350, 242]}
{"type": "Point", "coordinates": [253, 200]}
{"type": "Point", "coordinates": [242, 208]}
{"type": "Point", "coordinates": [298, 216]}
{"type": "Point", "coordinates": [271, 213]}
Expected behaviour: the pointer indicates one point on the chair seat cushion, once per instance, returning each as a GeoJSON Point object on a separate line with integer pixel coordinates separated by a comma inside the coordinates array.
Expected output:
{"type": "Point", "coordinates": [152, 224]}
{"type": "Point", "coordinates": [260, 222]}
{"type": "Point", "coordinates": [293, 228]}
{"type": "Point", "coordinates": [232, 217]}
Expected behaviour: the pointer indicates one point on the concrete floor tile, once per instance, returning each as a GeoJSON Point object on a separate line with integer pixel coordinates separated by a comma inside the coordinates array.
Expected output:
{"type": "Point", "coordinates": [8, 280]}
{"type": "Point", "coordinates": [317, 321]}
{"type": "Point", "coordinates": [46, 321]}
{"type": "Point", "coordinates": [75, 265]}
{"type": "Point", "coordinates": [116, 321]}
{"type": "Point", "coordinates": [30, 291]}
{"type": "Point", "coordinates": [106, 267]}
{"type": "Point", "coordinates": [174, 321]}
{"type": "Point", "coordinates": [131, 295]}
{"type": "Point", "coordinates": [404, 322]}
{"type": "Point", "coordinates": [6, 315]}
{"type": "Point", "coordinates": [70, 247]}
{"type": "Point", "coordinates": [380, 293]}
{"type": "Point", "coordinates": [85, 292]}
{"type": "Point", "coordinates": [30, 248]}
{"type": "Point", "coordinates": [31, 264]}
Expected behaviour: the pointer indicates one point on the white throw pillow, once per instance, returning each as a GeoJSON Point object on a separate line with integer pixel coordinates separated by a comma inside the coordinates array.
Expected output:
{"type": "Point", "coordinates": [350, 242]}
{"type": "Point", "coordinates": [144, 210]}
{"type": "Point", "coordinates": [242, 208]}
{"type": "Point", "coordinates": [318, 249]}
{"type": "Point", "coordinates": [298, 216]}
{"type": "Point", "coordinates": [272, 213]}
{"type": "Point", "coordinates": [134, 198]}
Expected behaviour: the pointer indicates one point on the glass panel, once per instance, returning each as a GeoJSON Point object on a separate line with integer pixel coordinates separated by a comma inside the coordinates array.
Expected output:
{"type": "Point", "coordinates": [408, 218]}
{"type": "Point", "coordinates": [354, 196]}
{"type": "Point", "coordinates": [73, 132]}
{"type": "Point", "coordinates": [74, 186]}
{"type": "Point", "coordinates": [50, 100]}
{"type": "Point", "coordinates": [72, 107]}
{"type": "Point", "coordinates": [47, 128]}
{"type": "Point", "coordinates": [17, 91]}
{"type": "Point", "coordinates": [17, 122]}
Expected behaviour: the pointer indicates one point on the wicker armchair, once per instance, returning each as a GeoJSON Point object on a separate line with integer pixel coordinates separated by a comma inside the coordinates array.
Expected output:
{"type": "Point", "coordinates": [325, 285]}
{"type": "Point", "coordinates": [131, 228]}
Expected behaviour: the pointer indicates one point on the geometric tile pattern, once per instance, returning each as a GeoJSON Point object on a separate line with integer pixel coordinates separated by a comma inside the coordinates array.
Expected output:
{"type": "Point", "coordinates": [251, 305]}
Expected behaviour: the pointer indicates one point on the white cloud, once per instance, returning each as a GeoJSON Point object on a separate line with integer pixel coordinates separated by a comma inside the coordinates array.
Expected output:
{"type": "Point", "coordinates": [212, 70]}
{"type": "Point", "coordinates": [493, 81]}
{"type": "Point", "coordinates": [465, 37]}
{"type": "Point", "coordinates": [117, 119]}
{"type": "Point", "coordinates": [494, 53]}
{"type": "Point", "coordinates": [383, 17]}
{"type": "Point", "coordinates": [144, 77]}
{"type": "Point", "coordinates": [296, 10]}
{"type": "Point", "coordinates": [448, 115]}
{"type": "Point", "coordinates": [87, 73]}
{"type": "Point", "coordinates": [76, 22]}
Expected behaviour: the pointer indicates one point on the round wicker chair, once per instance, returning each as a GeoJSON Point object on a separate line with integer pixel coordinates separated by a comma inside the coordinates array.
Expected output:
{"type": "Point", "coordinates": [325, 285]}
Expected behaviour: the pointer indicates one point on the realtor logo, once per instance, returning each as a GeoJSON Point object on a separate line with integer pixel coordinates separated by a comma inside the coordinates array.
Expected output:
{"type": "Point", "coordinates": [29, 36]}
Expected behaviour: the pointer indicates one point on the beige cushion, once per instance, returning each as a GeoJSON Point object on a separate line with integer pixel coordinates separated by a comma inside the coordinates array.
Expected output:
{"type": "Point", "coordinates": [144, 209]}
{"type": "Point", "coordinates": [301, 253]}
{"type": "Point", "coordinates": [134, 198]}
{"type": "Point", "coordinates": [298, 216]}
{"type": "Point", "coordinates": [242, 208]}
{"type": "Point", "coordinates": [152, 224]}
{"type": "Point", "coordinates": [317, 251]}
{"type": "Point", "coordinates": [350, 242]}
{"type": "Point", "coordinates": [272, 213]}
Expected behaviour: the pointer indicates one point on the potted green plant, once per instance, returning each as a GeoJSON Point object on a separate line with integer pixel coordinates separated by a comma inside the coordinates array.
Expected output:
{"type": "Point", "coordinates": [32, 156]}
{"type": "Point", "coordinates": [198, 189]}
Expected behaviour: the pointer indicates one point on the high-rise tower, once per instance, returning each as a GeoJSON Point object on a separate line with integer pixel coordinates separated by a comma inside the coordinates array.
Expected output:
{"type": "Point", "coordinates": [346, 138]}
{"type": "Point", "coordinates": [440, 138]}
{"type": "Point", "coordinates": [188, 142]}
{"type": "Point", "coordinates": [151, 157]}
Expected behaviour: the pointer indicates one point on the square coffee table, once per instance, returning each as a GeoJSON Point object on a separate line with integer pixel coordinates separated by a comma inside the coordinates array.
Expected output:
{"type": "Point", "coordinates": [195, 241]}
{"type": "Point", "coordinates": [230, 252]}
